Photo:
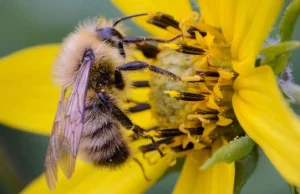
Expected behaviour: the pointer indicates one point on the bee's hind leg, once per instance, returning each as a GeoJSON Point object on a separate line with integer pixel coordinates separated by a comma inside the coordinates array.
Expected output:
{"type": "Point", "coordinates": [124, 120]}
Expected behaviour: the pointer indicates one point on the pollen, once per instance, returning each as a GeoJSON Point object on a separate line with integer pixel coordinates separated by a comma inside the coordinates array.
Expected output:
{"type": "Point", "coordinates": [197, 111]}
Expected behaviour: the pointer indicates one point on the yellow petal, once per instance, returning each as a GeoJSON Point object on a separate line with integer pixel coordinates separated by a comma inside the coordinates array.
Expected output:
{"type": "Point", "coordinates": [228, 9]}
{"type": "Point", "coordinates": [143, 119]}
{"type": "Point", "coordinates": [91, 180]}
{"type": "Point", "coordinates": [179, 9]}
{"type": "Point", "coordinates": [210, 11]}
{"type": "Point", "coordinates": [215, 180]}
{"type": "Point", "coordinates": [245, 24]}
{"type": "Point", "coordinates": [268, 120]}
{"type": "Point", "coordinates": [28, 98]}
{"type": "Point", "coordinates": [254, 20]}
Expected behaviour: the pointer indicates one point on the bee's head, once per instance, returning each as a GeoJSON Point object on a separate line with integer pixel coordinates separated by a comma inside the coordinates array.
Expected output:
{"type": "Point", "coordinates": [111, 36]}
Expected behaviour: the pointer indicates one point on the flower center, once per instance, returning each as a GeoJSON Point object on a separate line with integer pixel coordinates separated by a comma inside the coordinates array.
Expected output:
{"type": "Point", "coordinates": [194, 113]}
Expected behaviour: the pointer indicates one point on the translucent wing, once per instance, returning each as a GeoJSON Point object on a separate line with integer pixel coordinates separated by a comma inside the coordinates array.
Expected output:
{"type": "Point", "coordinates": [67, 128]}
{"type": "Point", "coordinates": [52, 153]}
{"type": "Point", "coordinates": [74, 121]}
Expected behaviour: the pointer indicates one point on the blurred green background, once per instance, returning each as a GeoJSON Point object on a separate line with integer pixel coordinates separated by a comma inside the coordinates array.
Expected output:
{"type": "Point", "coordinates": [32, 22]}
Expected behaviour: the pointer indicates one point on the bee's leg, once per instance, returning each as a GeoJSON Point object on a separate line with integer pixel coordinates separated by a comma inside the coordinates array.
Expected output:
{"type": "Point", "coordinates": [142, 39]}
{"type": "Point", "coordinates": [140, 65]}
{"type": "Point", "coordinates": [123, 118]}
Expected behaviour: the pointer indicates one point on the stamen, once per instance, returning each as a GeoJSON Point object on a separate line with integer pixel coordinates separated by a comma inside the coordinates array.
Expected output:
{"type": "Point", "coordinates": [202, 76]}
{"type": "Point", "coordinates": [199, 117]}
{"type": "Point", "coordinates": [209, 116]}
{"type": "Point", "coordinates": [152, 128]}
{"type": "Point", "coordinates": [139, 107]}
{"type": "Point", "coordinates": [163, 133]}
{"type": "Point", "coordinates": [208, 73]}
{"type": "Point", "coordinates": [192, 31]}
{"type": "Point", "coordinates": [195, 79]}
{"type": "Point", "coordinates": [140, 84]}
{"type": "Point", "coordinates": [163, 20]}
{"type": "Point", "coordinates": [203, 112]}
{"type": "Point", "coordinates": [187, 49]}
{"type": "Point", "coordinates": [195, 131]}
{"type": "Point", "coordinates": [169, 132]}
{"type": "Point", "coordinates": [192, 137]}
{"type": "Point", "coordinates": [192, 79]}
{"type": "Point", "coordinates": [186, 96]}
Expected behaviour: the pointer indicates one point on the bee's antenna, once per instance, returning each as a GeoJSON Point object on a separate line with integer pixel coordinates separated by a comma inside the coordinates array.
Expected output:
{"type": "Point", "coordinates": [128, 17]}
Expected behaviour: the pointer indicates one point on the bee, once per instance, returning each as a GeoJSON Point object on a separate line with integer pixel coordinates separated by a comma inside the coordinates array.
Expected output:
{"type": "Point", "coordinates": [88, 120]}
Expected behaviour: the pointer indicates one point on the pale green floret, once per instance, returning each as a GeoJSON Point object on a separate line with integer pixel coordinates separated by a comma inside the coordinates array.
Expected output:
{"type": "Point", "coordinates": [167, 109]}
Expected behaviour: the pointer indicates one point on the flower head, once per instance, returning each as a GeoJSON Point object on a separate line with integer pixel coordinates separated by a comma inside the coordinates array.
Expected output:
{"type": "Point", "coordinates": [223, 87]}
{"type": "Point", "coordinates": [221, 90]}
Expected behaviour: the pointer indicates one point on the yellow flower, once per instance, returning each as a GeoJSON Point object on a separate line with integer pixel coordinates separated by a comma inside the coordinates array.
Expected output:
{"type": "Point", "coordinates": [243, 26]}
{"type": "Point", "coordinates": [222, 55]}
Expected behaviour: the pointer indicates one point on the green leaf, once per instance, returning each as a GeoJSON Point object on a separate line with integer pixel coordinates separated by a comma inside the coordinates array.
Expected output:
{"type": "Point", "coordinates": [288, 21]}
{"type": "Point", "coordinates": [177, 167]}
{"type": "Point", "coordinates": [287, 26]}
{"type": "Point", "coordinates": [294, 189]}
{"type": "Point", "coordinates": [12, 183]}
{"type": "Point", "coordinates": [231, 152]}
{"type": "Point", "coordinates": [275, 51]}
{"type": "Point", "coordinates": [276, 54]}
{"type": "Point", "coordinates": [244, 168]}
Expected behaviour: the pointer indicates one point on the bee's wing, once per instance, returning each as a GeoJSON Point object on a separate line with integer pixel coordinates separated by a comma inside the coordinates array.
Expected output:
{"type": "Point", "coordinates": [74, 120]}
{"type": "Point", "coordinates": [67, 129]}
{"type": "Point", "coordinates": [52, 154]}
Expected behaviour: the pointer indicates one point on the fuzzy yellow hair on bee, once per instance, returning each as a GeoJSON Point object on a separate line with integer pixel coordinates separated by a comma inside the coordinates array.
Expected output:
{"type": "Point", "coordinates": [76, 43]}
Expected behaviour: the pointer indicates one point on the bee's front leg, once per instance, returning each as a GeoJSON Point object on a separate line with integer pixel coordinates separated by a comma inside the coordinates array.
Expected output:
{"type": "Point", "coordinates": [140, 65]}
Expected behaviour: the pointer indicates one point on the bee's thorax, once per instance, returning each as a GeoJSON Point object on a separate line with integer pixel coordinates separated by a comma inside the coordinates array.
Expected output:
{"type": "Point", "coordinates": [102, 77]}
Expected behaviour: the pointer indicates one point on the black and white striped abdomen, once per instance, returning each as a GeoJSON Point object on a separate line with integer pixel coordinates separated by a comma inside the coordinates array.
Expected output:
{"type": "Point", "coordinates": [102, 141]}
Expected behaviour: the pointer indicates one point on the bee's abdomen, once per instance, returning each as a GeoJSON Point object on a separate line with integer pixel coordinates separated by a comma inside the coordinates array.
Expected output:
{"type": "Point", "coordinates": [105, 146]}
